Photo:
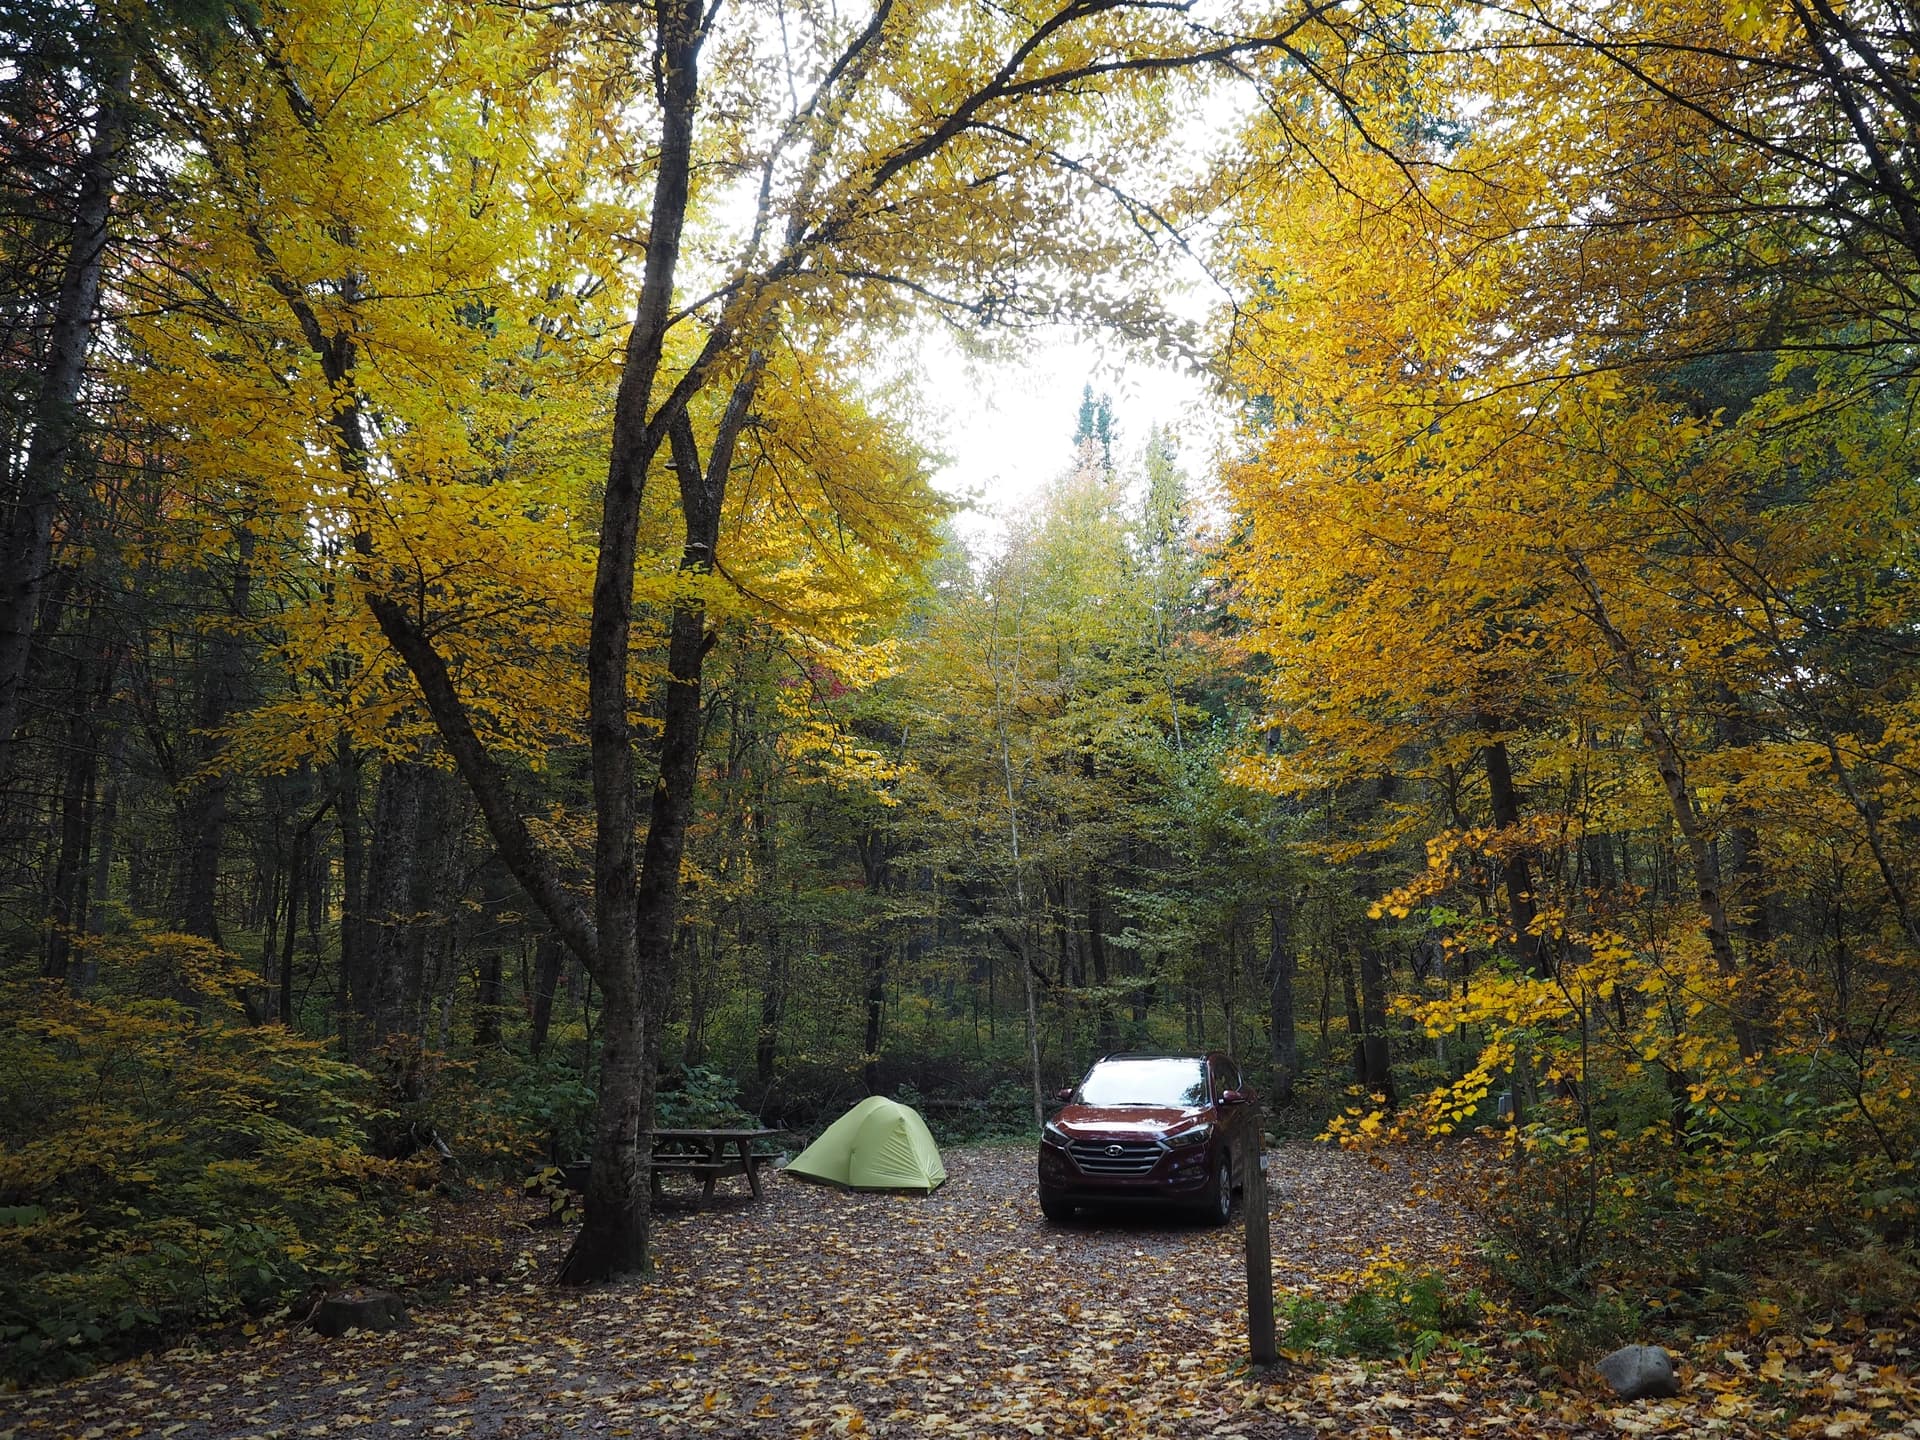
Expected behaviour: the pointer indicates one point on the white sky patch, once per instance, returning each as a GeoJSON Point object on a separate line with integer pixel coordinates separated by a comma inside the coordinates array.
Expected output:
{"type": "Point", "coordinates": [1008, 426]}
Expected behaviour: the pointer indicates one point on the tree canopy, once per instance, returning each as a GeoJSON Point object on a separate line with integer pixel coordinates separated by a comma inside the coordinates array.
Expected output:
{"type": "Point", "coordinates": [485, 662]}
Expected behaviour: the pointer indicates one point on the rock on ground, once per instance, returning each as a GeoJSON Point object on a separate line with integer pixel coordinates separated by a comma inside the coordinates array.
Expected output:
{"type": "Point", "coordinates": [1637, 1372]}
{"type": "Point", "coordinates": [359, 1310]}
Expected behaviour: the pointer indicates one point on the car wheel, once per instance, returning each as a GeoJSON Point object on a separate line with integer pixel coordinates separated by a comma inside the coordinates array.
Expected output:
{"type": "Point", "coordinates": [1054, 1207]}
{"type": "Point", "coordinates": [1219, 1200]}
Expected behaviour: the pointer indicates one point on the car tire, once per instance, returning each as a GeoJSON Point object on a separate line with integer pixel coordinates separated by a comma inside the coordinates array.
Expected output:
{"type": "Point", "coordinates": [1054, 1207]}
{"type": "Point", "coordinates": [1217, 1203]}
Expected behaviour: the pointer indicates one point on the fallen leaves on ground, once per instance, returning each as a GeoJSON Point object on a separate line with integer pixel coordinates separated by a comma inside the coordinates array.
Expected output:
{"type": "Point", "coordinates": [820, 1313]}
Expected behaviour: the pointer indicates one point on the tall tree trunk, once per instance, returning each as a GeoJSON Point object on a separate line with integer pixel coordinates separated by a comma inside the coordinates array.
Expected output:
{"type": "Point", "coordinates": [1751, 897]}
{"type": "Point", "coordinates": [773, 1004]}
{"type": "Point", "coordinates": [29, 540]}
{"type": "Point", "coordinates": [1374, 1055]}
{"type": "Point", "coordinates": [496, 887]}
{"type": "Point", "coordinates": [1056, 905]}
{"type": "Point", "coordinates": [875, 1006]}
{"type": "Point", "coordinates": [1515, 869]}
{"type": "Point", "coordinates": [353, 872]}
{"type": "Point", "coordinates": [1283, 1049]}
{"type": "Point", "coordinates": [106, 832]}
{"type": "Point", "coordinates": [1667, 759]}
{"type": "Point", "coordinates": [71, 871]}
{"type": "Point", "coordinates": [378, 985]}
{"type": "Point", "coordinates": [1106, 1027]}
{"type": "Point", "coordinates": [1356, 1023]}
{"type": "Point", "coordinates": [617, 1241]}
{"type": "Point", "coordinates": [614, 1237]}
{"type": "Point", "coordinates": [1376, 1058]}
{"type": "Point", "coordinates": [548, 952]}
{"type": "Point", "coordinates": [1024, 930]}
{"type": "Point", "coordinates": [300, 877]}
{"type": "Point", "coordinates": [1230, 985]}
{"type": "Point", "coordinates": [271, 888]}
{"type": "Point", "coordinates": [488, 990]}
{"type": "Point", "coordinates": [875, 859]}
{"type": "Point", "coordinates": [296, 877]}
{"type": "Point", "coordinates": [90, 687]}
{"type": "Point", "coordinates": [203, 811]}
{"type": "Point", "coordinates": [701, 979]}
{"type": "Point", "coordinates": [318, 888]}
{"type": "Point", "coordinates": [1326, 1012]}
{"type": "Point", "coordinates": [427, 977]}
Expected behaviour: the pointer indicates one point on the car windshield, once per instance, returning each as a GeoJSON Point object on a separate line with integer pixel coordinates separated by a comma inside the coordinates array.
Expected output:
{"type": "Point", "coordinates": [1160, 1082]}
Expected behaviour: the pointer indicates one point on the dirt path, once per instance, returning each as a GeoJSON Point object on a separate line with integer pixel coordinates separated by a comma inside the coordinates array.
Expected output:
{"type": "Point", "coordinates": [815, 1312]}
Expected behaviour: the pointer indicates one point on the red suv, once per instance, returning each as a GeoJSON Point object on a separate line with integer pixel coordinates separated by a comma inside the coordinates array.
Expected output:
{"type": "Point", "coordinates": [1171, 1128]}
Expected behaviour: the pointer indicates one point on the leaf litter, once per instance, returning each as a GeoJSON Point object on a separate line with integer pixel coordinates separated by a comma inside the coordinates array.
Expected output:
{"type": "Point", "coordinates": [818, 1313]}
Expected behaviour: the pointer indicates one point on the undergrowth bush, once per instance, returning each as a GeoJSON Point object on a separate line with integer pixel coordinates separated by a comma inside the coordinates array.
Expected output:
{"type": "Point", "coordinates": [166, 1164]}
{"type": "Point", "coordinates": [1395, 1315]}
{"type": "Point", "coordinates": [1687, 1147]}
{"type": "Point", "coordinates": [1769, 1190]}
{"type": "Point", "coordinates": [550, 1099]}
{"type": "Point", "coordinates": [694, 1097]}
{"type": "Point", "coordinates": [1004, 1113]}
{"type": "Point", "coordinates": [497, 1113]}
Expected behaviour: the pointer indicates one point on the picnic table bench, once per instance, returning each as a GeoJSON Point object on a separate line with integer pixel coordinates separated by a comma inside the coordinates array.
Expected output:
{"type": "Point", "coordinates": [709, 1154]}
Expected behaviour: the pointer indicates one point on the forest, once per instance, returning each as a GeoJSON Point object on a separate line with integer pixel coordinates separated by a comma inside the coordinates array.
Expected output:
{"type": "Point", "coordinates": [486, 668]}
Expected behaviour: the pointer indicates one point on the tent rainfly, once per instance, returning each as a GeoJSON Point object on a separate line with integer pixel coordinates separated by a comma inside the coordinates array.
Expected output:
{"type": "Point", "coordinates": [880, 1144]}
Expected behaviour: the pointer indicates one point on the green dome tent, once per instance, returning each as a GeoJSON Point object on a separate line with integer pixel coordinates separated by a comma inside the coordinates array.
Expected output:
{"type": "Point", "coordinates": [880, 1144]}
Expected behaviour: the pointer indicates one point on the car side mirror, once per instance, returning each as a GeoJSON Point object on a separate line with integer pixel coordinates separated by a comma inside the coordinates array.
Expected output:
{"type": "Point", "coordinates": [1236, 1097]}
{"type": "Point", "coordinates": [1064, 1094]}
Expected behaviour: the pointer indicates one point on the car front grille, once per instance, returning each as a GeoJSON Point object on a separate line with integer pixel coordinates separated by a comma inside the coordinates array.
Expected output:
{"type": "Point", "coordinates": [1115, 1157]}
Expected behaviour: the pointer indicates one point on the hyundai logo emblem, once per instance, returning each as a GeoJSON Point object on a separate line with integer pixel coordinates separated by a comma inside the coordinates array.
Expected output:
{"type": "Point", "coordinates": [1113, 1150]}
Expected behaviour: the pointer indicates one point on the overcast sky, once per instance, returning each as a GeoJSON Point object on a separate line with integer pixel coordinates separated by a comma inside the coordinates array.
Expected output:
{"type": "Point", "coordinates": [1009, 428]}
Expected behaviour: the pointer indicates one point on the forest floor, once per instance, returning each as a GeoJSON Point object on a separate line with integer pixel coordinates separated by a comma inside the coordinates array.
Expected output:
{"type": "Point", "coordinates": [817, 1313]}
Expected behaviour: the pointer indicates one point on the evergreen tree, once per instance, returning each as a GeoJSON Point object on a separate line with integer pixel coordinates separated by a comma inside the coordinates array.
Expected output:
{"type": "Point", "coordinates": [1095, 424]}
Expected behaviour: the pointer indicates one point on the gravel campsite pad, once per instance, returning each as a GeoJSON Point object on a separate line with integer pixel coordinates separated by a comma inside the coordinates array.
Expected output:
{"type": "Point", "coordinates": [960, 1312]}
{"type": "Point", "coordinates": [818, 1312]}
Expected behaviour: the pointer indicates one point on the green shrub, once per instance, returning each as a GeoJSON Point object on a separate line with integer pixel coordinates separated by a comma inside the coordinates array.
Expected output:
{"type": "Point", "coordinates": [500, 1112]}
{"type": "Point", "coordinates": [552, 1099]}
{"type": "Point", "coordinates": [695, 1097]}
{"type": "Point", "coordinates": [1394, 1316]}
{"type": "Point", "coordinates": [167, 1164]}
{"type": "Point", "coordinates": [1692, 1205]}
{"type": "Point", "coordinates": [1006, 1113]}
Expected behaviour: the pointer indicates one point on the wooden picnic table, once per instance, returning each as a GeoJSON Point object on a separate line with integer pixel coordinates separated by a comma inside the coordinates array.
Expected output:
{"type": "Point", "coordinates": [705, 1152]}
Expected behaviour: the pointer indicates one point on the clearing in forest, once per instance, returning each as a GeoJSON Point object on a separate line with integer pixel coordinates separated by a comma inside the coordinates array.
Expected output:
{"type": "Point", "coordinates": [819, 1312]}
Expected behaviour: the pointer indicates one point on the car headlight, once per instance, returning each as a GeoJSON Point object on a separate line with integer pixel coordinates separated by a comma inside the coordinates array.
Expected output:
{"type": "Point", "coordinates": [1196, 1136]}
{"type": "Point", "coordinates": [1054, 1134]}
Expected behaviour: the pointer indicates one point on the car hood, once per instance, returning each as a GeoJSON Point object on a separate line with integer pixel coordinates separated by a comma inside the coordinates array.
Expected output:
{"type": "Point", "coordinates": [1126, 1121]}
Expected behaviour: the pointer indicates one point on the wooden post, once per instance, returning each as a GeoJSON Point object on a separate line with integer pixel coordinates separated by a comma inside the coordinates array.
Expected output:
{"type": "Point", "coordinates": [1261, 1346]}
